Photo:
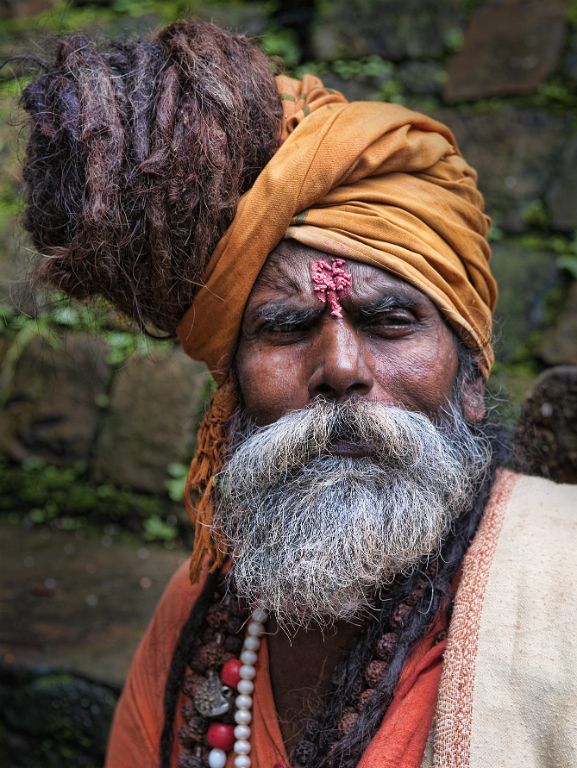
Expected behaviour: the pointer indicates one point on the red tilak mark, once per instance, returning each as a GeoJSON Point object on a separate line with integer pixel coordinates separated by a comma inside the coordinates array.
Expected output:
{"type": "Point", "coordinates": [331, 281]}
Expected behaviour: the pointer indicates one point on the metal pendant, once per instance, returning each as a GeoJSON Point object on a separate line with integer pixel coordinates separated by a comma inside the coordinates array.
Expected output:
{"type": "Point", "coordinates": [212, 698]}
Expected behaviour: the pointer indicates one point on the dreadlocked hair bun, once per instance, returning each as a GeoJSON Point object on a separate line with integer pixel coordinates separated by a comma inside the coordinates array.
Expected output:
{"type": "Point", "coordinates": [137, 156]}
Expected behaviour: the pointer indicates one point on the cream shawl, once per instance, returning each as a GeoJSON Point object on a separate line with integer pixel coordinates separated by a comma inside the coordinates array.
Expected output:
{"type": "Point", "coordinates": [508, 693]}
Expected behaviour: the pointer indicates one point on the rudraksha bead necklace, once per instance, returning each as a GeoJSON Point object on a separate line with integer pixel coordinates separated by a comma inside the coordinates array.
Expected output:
{"type": "Point", "coordinates": [213, 725]}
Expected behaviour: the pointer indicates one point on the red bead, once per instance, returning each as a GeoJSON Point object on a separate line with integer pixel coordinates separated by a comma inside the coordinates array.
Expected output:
{"type": "Point", "coordinates": [230, 673]}
{"type": "Point", "coordinates": [220, 736]}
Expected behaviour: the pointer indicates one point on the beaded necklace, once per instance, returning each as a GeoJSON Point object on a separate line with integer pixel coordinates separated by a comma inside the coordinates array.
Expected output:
{"type": "Point", "coordinates": [218, 721]}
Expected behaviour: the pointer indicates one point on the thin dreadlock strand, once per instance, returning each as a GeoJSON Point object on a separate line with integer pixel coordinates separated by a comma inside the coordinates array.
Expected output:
{"type": "Point", "coordinates": [208, 460]}
{"type": "Point", "coordinates": [189, 632]}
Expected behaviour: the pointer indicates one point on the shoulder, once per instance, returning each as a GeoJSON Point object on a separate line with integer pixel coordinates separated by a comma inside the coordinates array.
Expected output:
{"type": "Point", "coordinates": [526, 516]}
{"type": "Point", "coordinates": [508, 694]}
{"type": "Point", "coordinates": [529, 535]}
{"type": "Point", "coordinates": [527, 652]}
{"type": "Point", "coordinates": [542, 501]}
{"type": "Point", "coordinates": [538, 532]}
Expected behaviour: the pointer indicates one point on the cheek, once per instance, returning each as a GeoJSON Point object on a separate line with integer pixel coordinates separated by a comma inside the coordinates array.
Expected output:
{"type": "Point", "coordinates": [420, 376]}
{"type": "Point", "coordinates": [270, 384]}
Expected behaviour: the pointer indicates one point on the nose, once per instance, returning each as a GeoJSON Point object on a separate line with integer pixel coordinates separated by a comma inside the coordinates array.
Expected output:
{"type": "Point", "coordinates": [339, 364]}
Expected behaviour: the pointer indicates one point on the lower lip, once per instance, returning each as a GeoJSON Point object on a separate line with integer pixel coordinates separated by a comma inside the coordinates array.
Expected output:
{"type": "Point", "coordinates": [342, 448]}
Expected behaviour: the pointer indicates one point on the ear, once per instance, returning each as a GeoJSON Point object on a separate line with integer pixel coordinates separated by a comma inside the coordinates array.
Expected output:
{"type": "Point", "coordinates": [473, 400]}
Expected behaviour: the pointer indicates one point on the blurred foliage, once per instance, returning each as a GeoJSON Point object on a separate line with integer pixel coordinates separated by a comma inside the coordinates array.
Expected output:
{"type": "Point", "coordinates": [96, 317]}
{"type": "Point", "coordinates": [366, 67]}
{"type": "Point", "coordinates": [177, 480]}
{"type": "Point", "coordinates": [569, 263]}
{"type": "Point", "coordinates": [454, 40]}
{"type": "Point", "coordinates": [564, 246]}
{"type": "Point", "coordinates": [507, 388]}
{"type": "Point", "coordinates": [571, 14]}
{"type": "Point", "coordinates": [65, 17]}
{"type": "Point", "coordinates": [557, 95]}
{"type": "Point", "coordinates": [567, 250]}
{"type": "Point", "coordinates": [281, 44]}
{"type": "Point", "coordinates": [66, 499]}
{"type": "Point", "coordinates": [534, 214]}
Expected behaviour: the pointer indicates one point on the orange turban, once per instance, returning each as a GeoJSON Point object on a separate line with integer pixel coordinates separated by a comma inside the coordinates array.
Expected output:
{"type": "Point", "coordinates": [367, 181]}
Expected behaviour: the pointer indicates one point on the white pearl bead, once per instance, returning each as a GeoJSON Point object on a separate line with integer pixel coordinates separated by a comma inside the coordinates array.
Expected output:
{"type": "Point", "coordinates": [255, 628]}
{"type": "Point", "coordinates": [247, 672]}
{"type": "Point", "coordinates": [242, 732]}
{"type": "Point", "coordinates": [251, 643]}
{"type": "Point", "coordinates": [245, 686]}
{"type": "Point", "coordinates": [216, 758]}
{"type": "Point", "coordinates": [243, 701]}
{"type": "Point", "coordinates": [248, 657]}
{"type": "Point", "coordinates": [242, 761]}
{"type": "Point", "coordinates": [243, 716]}
{"type": "Point", "coordinates": [242, 747]}
{"type": "Point", "coordinates": [259, 614]}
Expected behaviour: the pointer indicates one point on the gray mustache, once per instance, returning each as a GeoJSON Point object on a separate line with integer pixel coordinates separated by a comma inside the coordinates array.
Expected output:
{"type": "Point", "coordinates": [389, 434]}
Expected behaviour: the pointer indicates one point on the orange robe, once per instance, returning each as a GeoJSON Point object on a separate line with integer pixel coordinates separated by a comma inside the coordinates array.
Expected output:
{"type": "Point", "coordinates": [134, 742]}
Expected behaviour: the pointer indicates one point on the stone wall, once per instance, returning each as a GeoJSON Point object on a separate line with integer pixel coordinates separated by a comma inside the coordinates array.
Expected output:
{"type": "Point", "coordinates": [65, 401]}
{"type": "Point", "coordinates": [503, 75]}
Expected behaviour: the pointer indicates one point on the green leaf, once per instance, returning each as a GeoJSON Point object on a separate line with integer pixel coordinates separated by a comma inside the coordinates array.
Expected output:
{"type": "Point", "coordinates": [175, 488]}
{"type": "Point", "coordinates": [37, 516]}
{"type": "Point", "coordinates": [66, 314]}
{"type": "Point", "coordinates": [156, 529]}
{"type": "Point", "coordinates": [177, 469]}
{"type": "Point", "coordinates": [282, 43]}
{"type": "Point", "coordinates": [569, 263]}
{"type": "Point", "coordinates": [102, 400]}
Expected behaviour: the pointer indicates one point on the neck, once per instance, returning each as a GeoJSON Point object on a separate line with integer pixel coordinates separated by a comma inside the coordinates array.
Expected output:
{"type": "Point", "coordinates": [301, 668]}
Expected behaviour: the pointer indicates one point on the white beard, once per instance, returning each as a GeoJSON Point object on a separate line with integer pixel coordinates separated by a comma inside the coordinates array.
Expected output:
{"type": "Point", "coordinates": [313, 535]}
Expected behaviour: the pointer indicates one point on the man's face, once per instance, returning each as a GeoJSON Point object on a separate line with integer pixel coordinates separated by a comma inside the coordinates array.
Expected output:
{"type": "Point", "coordinates": [390, 345]}
{"type": "Point", "coordinates": [351, 453]}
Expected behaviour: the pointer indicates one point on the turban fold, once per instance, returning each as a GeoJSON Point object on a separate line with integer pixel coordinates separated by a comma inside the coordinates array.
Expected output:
{"type": "Point", "coordinates": [368, 181]}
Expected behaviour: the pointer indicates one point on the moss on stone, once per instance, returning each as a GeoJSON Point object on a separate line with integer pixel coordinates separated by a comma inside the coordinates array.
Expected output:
{"type": "Point", "coordinates": [52, 719]}
{"type": "Point", "coordinates": [66, 499]}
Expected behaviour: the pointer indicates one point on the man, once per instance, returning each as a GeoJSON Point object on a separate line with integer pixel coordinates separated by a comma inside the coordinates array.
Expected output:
{"type": "Point", "coordinates": [367, 589]}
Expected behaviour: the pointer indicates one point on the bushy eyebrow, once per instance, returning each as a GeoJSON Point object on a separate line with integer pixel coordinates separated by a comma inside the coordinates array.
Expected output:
{"type": "Point", "coordinates": [385, 304]}
{"type": "Point", "coordinates": [280, 315]}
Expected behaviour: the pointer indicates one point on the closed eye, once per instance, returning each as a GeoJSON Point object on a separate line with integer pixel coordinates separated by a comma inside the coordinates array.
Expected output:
{"type": "Point", "coordinates": [392, 317]}
{"type": "Point", "coordinates": [388, 306]}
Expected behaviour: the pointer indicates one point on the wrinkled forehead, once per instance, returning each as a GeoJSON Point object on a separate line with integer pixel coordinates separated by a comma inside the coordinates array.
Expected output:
{"type": "Point", "coordinates": [292, 270]}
